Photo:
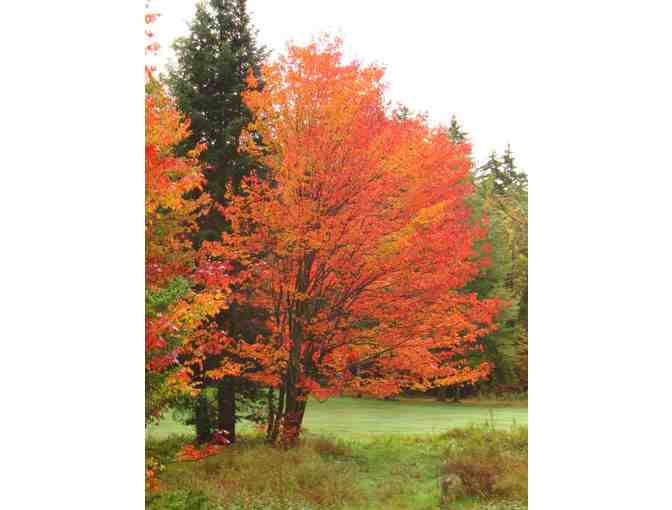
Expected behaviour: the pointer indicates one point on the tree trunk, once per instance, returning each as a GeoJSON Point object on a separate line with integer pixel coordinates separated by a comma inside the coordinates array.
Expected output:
{"type": "Point", "coordinates": [274, 430]}
{"type": "Point", "coordinates": [442, 394]}
{"type": "Point", "coordinates": [226, 407]}
{"type": "Point", "coordinates": [295, 397]}
{"type": "Point", "coordinates": [270, 422]}
{"type": "Point", "coordinates": [202, 419]}
{"type": "Point", "coordinates": [293, 419]}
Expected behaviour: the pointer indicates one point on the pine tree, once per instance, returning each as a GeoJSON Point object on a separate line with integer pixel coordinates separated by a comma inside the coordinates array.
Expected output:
{"type": "Point", "coordinates": [502, 195]}
{"type": "Point", "coordinates": [207, 81]}
{"type": "Point", "coordinates": [455, 131]}
{"type": "Point", "coordinates": [213, 62]}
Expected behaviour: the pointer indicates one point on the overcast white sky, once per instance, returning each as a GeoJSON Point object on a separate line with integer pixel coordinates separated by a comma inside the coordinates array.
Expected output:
{"type": "Point", "coordinates": [514, 71]}
{"type": "Point", "coordinates": [442, 57]}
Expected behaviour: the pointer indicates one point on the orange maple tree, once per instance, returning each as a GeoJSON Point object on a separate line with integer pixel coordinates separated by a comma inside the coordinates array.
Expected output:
{"type": "Point", "coordinates": [359, 239]}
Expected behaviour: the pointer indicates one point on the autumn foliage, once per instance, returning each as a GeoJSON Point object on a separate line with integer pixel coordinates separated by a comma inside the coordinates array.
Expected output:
{"type": "Point", "coordinates": [185, 287]}
{"type": "Point", "coordinates": [358, 241]}
{"type": "Point", "coordinates": [192, 452]}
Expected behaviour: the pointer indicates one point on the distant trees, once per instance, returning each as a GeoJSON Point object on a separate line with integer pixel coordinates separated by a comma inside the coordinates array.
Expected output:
{"type": "Point", "coordinates": [502, 196]}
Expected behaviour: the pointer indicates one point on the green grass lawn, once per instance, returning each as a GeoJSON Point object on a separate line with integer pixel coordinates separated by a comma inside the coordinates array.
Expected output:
{"type": "Point", "coordinates": [353, 417]}
{"type": "Point", "coordinates": [391, 472]}
{"type": "Point", "coordinates": [357, 454]}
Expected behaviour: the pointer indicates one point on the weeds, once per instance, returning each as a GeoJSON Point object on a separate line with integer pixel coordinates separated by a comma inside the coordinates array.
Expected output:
{"type": "Point", "coordinates": [491, 463]}
{"type": "Point", "coordinates": [181, 499]}
{"type": "Point", "coordinates": [391, 471]}
{"type": "Point", "coordinates": [165, 450]}
{"type": "Point", "coordinates": [252, 474]}
{"type": "Point", "coordinates": [330, 447]}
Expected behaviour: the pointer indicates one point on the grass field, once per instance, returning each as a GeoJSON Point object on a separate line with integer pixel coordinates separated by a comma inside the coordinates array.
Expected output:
{"type": "Point", "coordinates": [353, 417]}
{"type": "Point", "coordinates": [356, 454]}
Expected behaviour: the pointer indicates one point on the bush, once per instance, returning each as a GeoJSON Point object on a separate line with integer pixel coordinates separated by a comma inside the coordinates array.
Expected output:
{"type": "Point", "coordinates": [491, 463]}
{"type": "Point", "coordinates": [329, 447]}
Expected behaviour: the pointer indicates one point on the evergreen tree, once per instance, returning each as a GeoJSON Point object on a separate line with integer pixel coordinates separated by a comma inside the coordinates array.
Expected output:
{"type": "Point", "coordinates": [502, 195]}
{"type": "Point", "coordinates": [213, 62]}
{"type": "Point", "coordinates": [455, 131]}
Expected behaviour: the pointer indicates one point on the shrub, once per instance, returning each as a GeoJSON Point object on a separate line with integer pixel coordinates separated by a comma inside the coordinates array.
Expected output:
{"type": "Point", "coordinates": [330, 448]}
{"type": "Point", "coordinates": [478, 474]}
{"type": "Point", "coordinates": [491, 463]}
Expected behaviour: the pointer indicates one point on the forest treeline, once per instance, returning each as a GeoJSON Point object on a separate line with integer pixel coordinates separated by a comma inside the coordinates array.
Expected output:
{"type": "Point", "coordinates": [306, 238]}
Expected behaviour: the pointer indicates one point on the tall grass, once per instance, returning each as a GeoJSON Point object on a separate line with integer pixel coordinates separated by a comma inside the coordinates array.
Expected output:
{"type": "Point", "coordinates": [390, 471]}
{"type": "Point", "coordinates": [252, 474]}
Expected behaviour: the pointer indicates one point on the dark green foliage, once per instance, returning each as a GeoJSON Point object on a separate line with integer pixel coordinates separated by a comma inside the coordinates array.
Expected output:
{"type": "Point", "coordinates": [248, 406]}
{"type": "Point", "coordinates": [202, 418]}
{"type": "Point", "coordinates": [207, 81]}
{"type": "Point", "coordinates": [501, 194]}
{"type": "Point", "coordinates": [159, 301]}
{"type": "Point", "coordinates": [499, 189]}
{"type": "Point", "coordinates": [457, 134]}
{"type": "Point", "coordinates": [506, 179]}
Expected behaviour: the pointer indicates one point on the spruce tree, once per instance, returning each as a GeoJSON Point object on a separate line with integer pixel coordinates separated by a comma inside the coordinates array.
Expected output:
{"type": "Point", "coordinates": [207, 80]}
{"type": "Point", "coordinates": [455, 131]}
{"type": "Point", "coordinates": [501, 192]}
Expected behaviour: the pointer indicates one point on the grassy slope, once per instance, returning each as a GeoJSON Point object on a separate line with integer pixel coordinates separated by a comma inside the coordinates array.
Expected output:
{"type": "Point", "coordinates": [352, 417]}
